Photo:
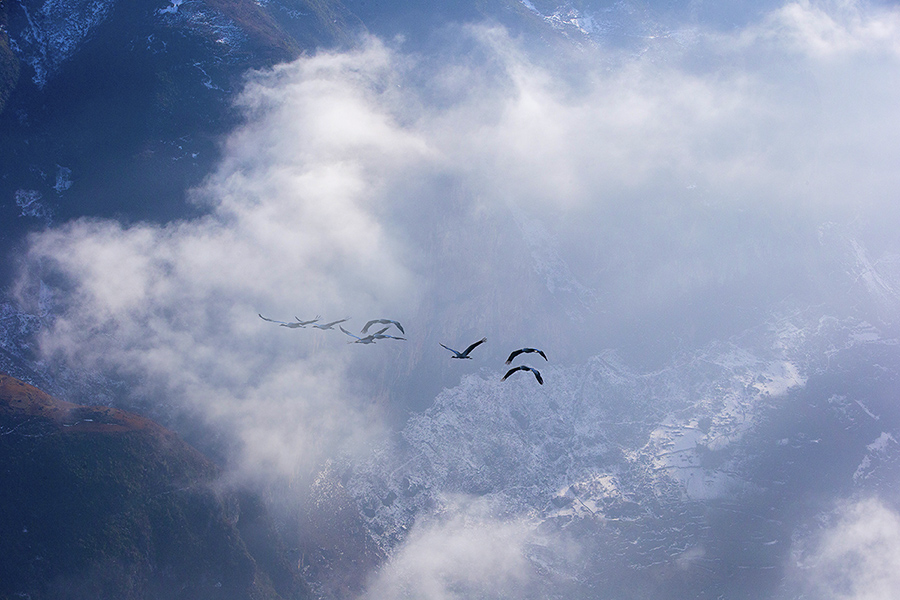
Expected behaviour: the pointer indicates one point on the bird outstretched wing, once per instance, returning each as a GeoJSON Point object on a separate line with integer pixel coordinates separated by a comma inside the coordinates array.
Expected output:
{"type": "Point", "coordinates": [389, 322]}
{"type": "Point", "coordinates": [450, 349]}
{"type": "Point", "coordinates": [348, 333]}
{"type": "Point", "coordinates": [537, 373]}
{"type": "Point", "coordinates": [330, 325]}
{"type": "Point", "coordinates": [269, 320]}
{"type": "Point", "coordinates": [510, 372]}
{"type": "Point", "coordinates": [473, 346]}
{"type": "Point", "coordinates": [515, 353]}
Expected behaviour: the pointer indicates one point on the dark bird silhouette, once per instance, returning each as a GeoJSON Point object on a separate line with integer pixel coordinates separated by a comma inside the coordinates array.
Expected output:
{"type": "Point", "coordinates": [383, 322]}
{"type": "Point", "coordinates": [537, 373]}
{"type": "Point", "coordinates": [369, 339]}
{"type": "Point", "coordinates": [515, 353]}
{"type": "Point", "coordinates": [290, 325]}
{"type": "Point", "coordinates": [465, 353]}
{"type": "Point", "coordinates": [331, 325]}
{"type": "Point", "coordinates": [381, 336]}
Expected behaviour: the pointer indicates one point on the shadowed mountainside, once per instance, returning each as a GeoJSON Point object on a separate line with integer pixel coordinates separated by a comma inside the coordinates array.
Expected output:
{"type": "Point", "coordinates": [100, 503]}
{"type": "Point", "coordinates": [9, 64]}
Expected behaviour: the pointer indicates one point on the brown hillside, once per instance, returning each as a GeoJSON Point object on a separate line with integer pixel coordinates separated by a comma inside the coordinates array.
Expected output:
{"type": "Point", "coordinates": [99, 503]}
{"type": "Point", "coordinates": [20, 402]}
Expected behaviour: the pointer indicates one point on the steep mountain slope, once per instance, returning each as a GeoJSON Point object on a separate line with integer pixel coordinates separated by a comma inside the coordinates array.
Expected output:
{"type": "Point", "coordinates": [690, 480]}
{"type": "Point", "coordinates": [9, 63]}
{"type": "Point", "coordinates": [116, 108]}
{"type": "Point", "coordinates": [99, 503]}
{"type": "Point", "coordinates": [695, 480]}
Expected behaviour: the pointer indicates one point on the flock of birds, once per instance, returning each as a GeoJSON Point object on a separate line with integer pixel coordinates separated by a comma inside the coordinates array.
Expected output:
{"type": "Point", "coordinates": [371, 338]}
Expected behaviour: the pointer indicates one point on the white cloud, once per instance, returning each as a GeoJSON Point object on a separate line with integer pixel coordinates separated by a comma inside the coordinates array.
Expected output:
{"type": "Point", "coordinates": [296, 229]}
{"type": "Point", "coordinates": [372, 183]}
{"type": "Point", "coordinates": [858, 556]}
{"type": "Point", "coordinates": [835, 29]}
{"type": "Point", "coordinates": [461, 553]}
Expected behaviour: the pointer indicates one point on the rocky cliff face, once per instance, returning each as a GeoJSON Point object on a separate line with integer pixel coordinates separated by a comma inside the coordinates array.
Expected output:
{"type": "Point", "coordinates": [100, 503]}
{"type": "Point", "coordinates": [695, 480]}
{"type": "Point", "coordinates": [691, 481]}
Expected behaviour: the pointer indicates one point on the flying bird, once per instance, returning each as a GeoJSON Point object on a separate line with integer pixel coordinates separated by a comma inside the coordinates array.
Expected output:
{"type": "Point", "coordinates": [537, 373]}
{"type": "Point", "coordinates": [515, 353]}
{"type": "Point", "coordinates": [381, 336]}
{"type": "Point", "coordinates": [290, 325]}
{"type": "Point", "coordinates": [369, 339]}
{"type": "Point", "coordinates": [465, 353]}
{"type": "Point", "coordinates": [384, 322]}
{"type": "Point", "coordinates": [331, 325]}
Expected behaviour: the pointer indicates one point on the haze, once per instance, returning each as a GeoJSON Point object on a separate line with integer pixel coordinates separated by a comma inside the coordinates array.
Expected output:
{"type": "Point", "coordinates": [646, 199]}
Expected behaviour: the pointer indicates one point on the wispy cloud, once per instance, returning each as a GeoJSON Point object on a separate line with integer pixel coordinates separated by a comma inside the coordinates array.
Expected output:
{"type": "Point", "coordinates": [834, 29]}
{"type": "Point", "coordinates": [857, 556]}
{"type": "Point", "coordinates": [461, 553]}
{"type": "Point", "coordinates": [296, 228]}
{"type": "Point", "coordinates": [374, 183]}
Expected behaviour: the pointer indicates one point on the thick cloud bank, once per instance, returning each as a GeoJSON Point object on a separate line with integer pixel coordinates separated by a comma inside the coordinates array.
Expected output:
{"type": "Point", "coordinates": [857, 557]}
{"type": "Point", "coordinates": [576, 201]}
{"type": "Point", "coordinates": [461, 553]}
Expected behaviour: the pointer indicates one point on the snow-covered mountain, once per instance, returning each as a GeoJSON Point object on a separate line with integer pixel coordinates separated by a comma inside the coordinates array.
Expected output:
{"type": "Point", "coordinates": [720, 396]}
{"type": "Point", "coordinates": [53, 31]}
{"type": "Point", "coordinates": [705, 469]}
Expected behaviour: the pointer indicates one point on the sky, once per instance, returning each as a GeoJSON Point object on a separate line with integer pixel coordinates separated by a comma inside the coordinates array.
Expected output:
{"type": "Point", "coordinates": [646, 199]}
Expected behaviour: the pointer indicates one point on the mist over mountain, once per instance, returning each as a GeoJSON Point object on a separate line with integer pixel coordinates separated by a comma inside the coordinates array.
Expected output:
{"type": "Point", "coordinates": [690, 209]}
{"type": "Point", "coordinates": [101, 503]}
